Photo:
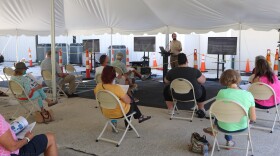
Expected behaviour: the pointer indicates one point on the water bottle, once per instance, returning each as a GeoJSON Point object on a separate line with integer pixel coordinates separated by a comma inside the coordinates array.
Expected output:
{"type": "Point", "coordinates": [205, 150]}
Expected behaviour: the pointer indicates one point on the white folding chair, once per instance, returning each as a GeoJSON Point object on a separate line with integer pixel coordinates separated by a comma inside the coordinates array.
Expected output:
{"type": "Point", "coordinates": [107, 100]}
{"type": "Point", "coordinates": [229, 111]}
{"type": "Point", "coordinates": [98, 78]}
{"type": "Point", "coordinates": [182, 86]}
{"type": "Point", "coordinates": [47, 76]}
{"type": "Point", "coordinates": [8, 73]}
{"type": "Point", "coordinates": [22, 97]}
{"type": "Point", "coordinates": [262, 91]}
{"type": "Point", "coordinates": [71, 70]}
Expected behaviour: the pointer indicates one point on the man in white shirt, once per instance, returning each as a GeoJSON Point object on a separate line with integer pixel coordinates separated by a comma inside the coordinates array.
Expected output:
{"type": "Point", "coordinates": [175, 49]}
{"type": "Point", "coordinates": [61, 77]}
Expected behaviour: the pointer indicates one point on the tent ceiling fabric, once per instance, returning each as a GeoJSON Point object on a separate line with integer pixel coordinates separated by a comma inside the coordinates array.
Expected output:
{"type": "Point", "coordinates": [86, 17]}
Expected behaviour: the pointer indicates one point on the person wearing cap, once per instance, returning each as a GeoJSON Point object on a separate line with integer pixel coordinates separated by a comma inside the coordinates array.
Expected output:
{"type": "Point", "coordinates": [175, 49]}
{"type": "Point", "coordinates": [34, 92]}
{"type": "Point", "coordinates": [127, 71]}
{"type": "Point", "coordinates": [61, 78]}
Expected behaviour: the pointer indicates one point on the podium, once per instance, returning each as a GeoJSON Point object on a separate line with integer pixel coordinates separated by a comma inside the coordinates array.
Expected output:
{"type": "Point", "coordinates": [164, 55]}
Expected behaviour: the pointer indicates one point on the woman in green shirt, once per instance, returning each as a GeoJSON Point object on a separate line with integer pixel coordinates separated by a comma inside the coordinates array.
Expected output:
{"type": "Point", "coordinates": [231, 79]}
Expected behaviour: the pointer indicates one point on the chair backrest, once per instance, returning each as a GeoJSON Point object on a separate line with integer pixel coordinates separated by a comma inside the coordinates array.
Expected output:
{"type": "Point", "coordinates": [228, 111]}
{"type": "Point", "coordinates": [70, 68]}
{"type": "Point", "coordinates": [119, 70]}
{"type": "Point", "coordinates": [8, 71]}
{"type": "Point", "coordinates": [98, 78]}
{"type": "Point", "coordinates": [16, 88]}
{"type": "Point", "coordinates": [261, 91]}
{"type": "Point", "coordinates": [47, 75]}
{"type": "Point", "coordinates": [107, 99]}
{"type": "Point", "coordinates": [181, 86]}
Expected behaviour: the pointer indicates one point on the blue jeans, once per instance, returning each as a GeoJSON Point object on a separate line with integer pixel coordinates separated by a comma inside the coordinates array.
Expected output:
{"type": "Point", "coordinates": [228, 137]}
{"type": "Point", "coordinates": [40, 95]}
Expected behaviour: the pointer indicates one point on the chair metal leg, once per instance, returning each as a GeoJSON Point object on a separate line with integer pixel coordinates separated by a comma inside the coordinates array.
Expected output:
{"type": "Point", "coordinates": [213, 148]}
{"type": "Point", "coordinates": [127, 127]}
{"type": "Point", "coordinates": [100, 135]}
{"type": "Point", "coordinates": [173, 110]}
{"type": "Point", "coordinates": [195, 107]}
{"type": "Point", "coordinates": [251, 143]}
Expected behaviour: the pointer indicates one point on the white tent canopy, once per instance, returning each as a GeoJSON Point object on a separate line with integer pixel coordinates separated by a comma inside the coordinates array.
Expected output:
{"type": "Point", "coordinates": [84, 17]}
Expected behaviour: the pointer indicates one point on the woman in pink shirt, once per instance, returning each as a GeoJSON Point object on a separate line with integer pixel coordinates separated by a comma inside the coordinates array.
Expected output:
{"type": "Point", "coordinates": [29, 146]}
{"type": "Point", "coordinates": [265, 75]}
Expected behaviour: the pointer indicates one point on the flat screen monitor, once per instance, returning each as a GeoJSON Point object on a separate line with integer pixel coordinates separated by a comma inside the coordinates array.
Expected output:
{"type": "Point", "coordinates": [144, 44]}
{"type": "Point", "coordinates": [92, 45]}
{"type": "Point", "coordinates": [222, 45]}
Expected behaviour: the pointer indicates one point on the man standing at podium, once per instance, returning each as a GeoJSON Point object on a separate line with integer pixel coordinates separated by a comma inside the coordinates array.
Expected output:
{"type": "Point", "coordinates": [175, 49]}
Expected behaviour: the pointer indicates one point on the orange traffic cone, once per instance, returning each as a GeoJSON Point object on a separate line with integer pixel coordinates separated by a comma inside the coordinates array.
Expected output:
{"type": "Point", "coordinates": [268, 55]}
{"type": "Point", "coordinates": [202, 67]}
{"type": "Point", "coordinates": [155, 61]}
{"type": "Point", "coordinates": [247, 70]}
{"type": "Point", "coordinates": [87, 65]}
{"type": "Point", "coordinates": [30, 58]}
{"type": "Point", "coordinates": [60, 59]}
{"type": "Point", "coordinates": [112, 56]}
{"type": "Point", "coordinates": [127, 57]}
{"type": "Point", "coordinates": [195, 59]}
{"type": "Point", "coordinates": [275, 69]}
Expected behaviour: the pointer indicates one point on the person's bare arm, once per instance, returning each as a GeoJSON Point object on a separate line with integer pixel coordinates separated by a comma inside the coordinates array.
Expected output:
{"type": "Point", "coordinates": [7, 141]}
{"type": "Point", "coordinates": [252, 114]}
{"type": "Point", "coordinates": [201, 79]}
{"type": "Point", "coordinates": [166, 81]}
{"type": "Point", "coordinates": [126, 99]}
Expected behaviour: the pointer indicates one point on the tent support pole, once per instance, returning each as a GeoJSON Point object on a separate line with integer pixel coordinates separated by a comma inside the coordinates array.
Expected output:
{"type": "Point", "coordinates": [53, 49]}
{"type": "Point", "coordinates": [6, 45]}
{"type": "Point", "coordinates": [111, 44]}
{"type": "Point", "coordinates": [239, 48]}
{"type": "Point", "coordinates": [17, 47]}
{"type": "Point", "coordinates": [167, 37]}
{"type": "Point", "coordinates": [67, 50]}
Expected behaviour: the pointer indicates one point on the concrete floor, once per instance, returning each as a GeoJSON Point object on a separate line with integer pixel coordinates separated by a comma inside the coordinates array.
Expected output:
{"type": "Point", "coordinates": [78, 123]}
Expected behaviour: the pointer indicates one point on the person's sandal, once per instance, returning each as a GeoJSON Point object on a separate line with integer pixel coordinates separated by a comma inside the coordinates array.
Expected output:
{"type": "Point", "coordinates": [143, 118]}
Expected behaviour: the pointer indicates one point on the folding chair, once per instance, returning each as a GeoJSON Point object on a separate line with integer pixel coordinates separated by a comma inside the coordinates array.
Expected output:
{"type": "Point", "coordinates": [8, 73]}
{"type": "Point", "coordinates": [108, 100]}
{"type": "Point", "coordinates": [229, 111]}
{"type": "Point", "coordinates": [262, 91]}
{"type": "Point", "coordinates": [71, 70]}
{"type": "Point", "coordinates": [182, 86]}
{"type": "Point", "coordinates": [22, 97]}
{"type": "Point", "coordinates": [98, 78]}
{"type": "Point", "coordinates": [47, 76]}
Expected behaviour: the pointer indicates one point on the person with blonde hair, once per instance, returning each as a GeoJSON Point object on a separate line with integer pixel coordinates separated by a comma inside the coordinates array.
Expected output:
{"type": "Point", "coordinates": [231, 79]}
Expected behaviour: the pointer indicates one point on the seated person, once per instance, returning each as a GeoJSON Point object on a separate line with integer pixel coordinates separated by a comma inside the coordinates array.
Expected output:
{"type": "Point", "coordinates": [231, 79]}
{"type": "Point", "coordinates": [191, 74]}
{"type": "Point", "coordinates": [127, 71]}
{"type": "Point", "coordinates": [29, 146]}
{"type": "Point", "coordinates": [108, 75]}
{"type": "Point", "coordinates": [34, 92]}
{"type": "Point", "coordinates": [265, 75]}
{"type": "Point", "coordinates": [254, 70]}
{"type": "Point", "coordinates": [103, 60]}
{"type": "Point", "coordinates": [61, 77]}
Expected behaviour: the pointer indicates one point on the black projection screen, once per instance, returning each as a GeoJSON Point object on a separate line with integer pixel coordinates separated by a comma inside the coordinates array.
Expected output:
{"type": "Point", "coordinates": [144, 44]}
{"type": "Point", "coordinates": [92, 45]}
{"type": "Point", "coordinates": [222, 45]}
